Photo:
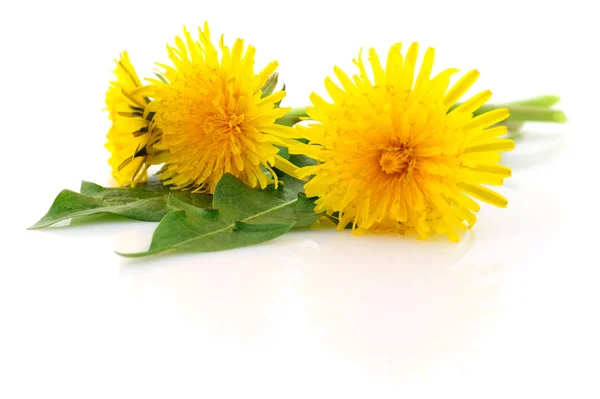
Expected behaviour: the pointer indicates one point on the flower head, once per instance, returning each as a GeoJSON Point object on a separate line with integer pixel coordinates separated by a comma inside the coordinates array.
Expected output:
{"type": "Point", "coordinates": [215, 118]}
{"type": "Point", "coordinates": [393, 152]}
{"type": "Point", "coordinates": [132, 134]}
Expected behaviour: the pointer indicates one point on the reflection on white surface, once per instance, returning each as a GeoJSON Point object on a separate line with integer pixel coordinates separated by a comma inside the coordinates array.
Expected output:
{"type": "Point", "coordinates": [381, 305]}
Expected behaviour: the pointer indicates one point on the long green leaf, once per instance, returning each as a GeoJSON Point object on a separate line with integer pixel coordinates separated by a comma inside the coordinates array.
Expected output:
{"type": "Point", "coordinates": [147, 202]}
{"type": "Point", "coordinates": [242, 216]}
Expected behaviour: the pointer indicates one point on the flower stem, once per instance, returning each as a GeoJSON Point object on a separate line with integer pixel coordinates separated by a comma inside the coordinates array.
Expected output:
{"type": "Point", "coordinates": [526, 113]}
{"type": "Point", "coordinates": [537, 109]}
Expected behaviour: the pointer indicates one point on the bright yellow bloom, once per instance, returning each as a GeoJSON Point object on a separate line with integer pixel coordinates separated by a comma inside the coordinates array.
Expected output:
{"type": "Point", "coordinates": [213, 118]}
{"type": "Point", "coordinates": [395, 155]}
{"type": "Point", "coordinates": [132, 134]}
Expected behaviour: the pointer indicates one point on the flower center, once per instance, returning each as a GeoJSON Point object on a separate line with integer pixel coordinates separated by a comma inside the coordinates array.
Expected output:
{"type": "Point", "coordinates": [235, 121]}
{"type": "Point", "coordinates": [397, 160]}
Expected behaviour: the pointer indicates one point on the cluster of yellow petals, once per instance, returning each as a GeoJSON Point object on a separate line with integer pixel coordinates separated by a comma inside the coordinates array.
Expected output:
{"type": "Point", "coordinates": [132, 132]}
{"type": "Point", "coordinates": [393, 152]}
{"type": "Point", "coordinates": [214, 117]}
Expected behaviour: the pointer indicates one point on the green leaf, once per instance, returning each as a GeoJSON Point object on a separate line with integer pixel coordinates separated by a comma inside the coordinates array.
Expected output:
{"type": "Point", "coordinates": [147, 190]}
{"type": "Point", "coordinates": [298, 160]}
{"type": "Point", "coordinates": [241, 203]}
{"type": "Point", "coordinates": [289, 189]}
{"type": "Point", "coordinates": [206, 233]}
{"type": "Point", "coordinates": [148, 202]}
{"type": "Point", "coordinates": [242, 216]}
{"type": "Point", "coordinates": [69, 204]}
{"type": "Point", "coordinates": [283, 152]}
{"type": "Point", "coordinates": [302, 160]}
{"type": "Point", "coordinates": [203, 201]}
{"type": "Point", "coordinates": [123, 194]}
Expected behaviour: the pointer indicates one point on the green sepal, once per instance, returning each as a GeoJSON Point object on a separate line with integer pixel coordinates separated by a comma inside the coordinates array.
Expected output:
{"type": "Point", "coordinates": [269, 85]}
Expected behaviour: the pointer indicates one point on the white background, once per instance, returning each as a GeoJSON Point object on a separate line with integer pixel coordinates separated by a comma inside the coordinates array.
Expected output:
{"type": "Point", "coordinates": [510, 312]}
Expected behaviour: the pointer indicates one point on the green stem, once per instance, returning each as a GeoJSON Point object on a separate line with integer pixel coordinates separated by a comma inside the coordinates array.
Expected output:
{"type": "Point", "coordinates": [541, 101]}
{"type": "Point", "coordinates": [535, 109]}
{"type": "Point", "coordinates": [530, 110]}
{"type": "Point", "coordinates": [525, 113]}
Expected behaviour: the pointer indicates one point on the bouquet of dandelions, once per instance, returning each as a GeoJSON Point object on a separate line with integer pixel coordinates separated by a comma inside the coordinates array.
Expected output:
{"type": "Point", "coordinates": [392, 150]}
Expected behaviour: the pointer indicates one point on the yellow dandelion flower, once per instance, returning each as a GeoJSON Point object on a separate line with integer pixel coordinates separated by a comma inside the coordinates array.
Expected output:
{"type": "Point", "coordinates": [393, 152]}
{"type": "Point", "coordinates": [132, 134]}
{"type": "Point", "coordinates": [214, 117]}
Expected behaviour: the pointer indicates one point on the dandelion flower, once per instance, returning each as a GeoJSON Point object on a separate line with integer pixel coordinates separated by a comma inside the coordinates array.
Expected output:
{"type": "Point", "coordinates": [132, 134]}
{"type": "Point", "coordinates": [395, 153]}
{"type": "Point", "coordinates": [215, 118]}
